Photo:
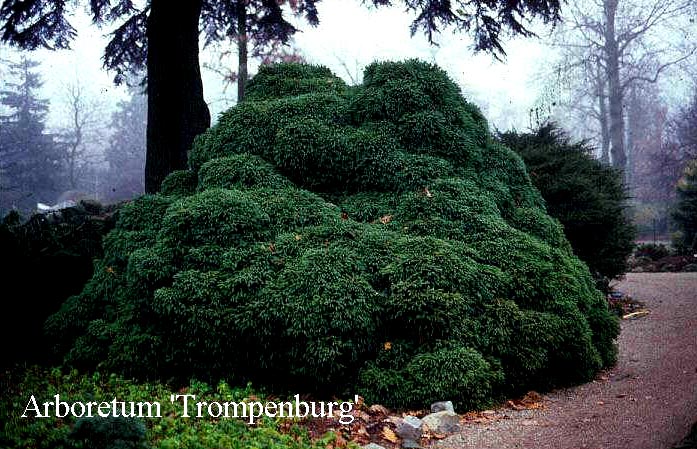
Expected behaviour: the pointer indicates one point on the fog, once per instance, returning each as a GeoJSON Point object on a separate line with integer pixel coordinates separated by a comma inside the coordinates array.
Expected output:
{"type": "Point", "coordinates": [525, 89]}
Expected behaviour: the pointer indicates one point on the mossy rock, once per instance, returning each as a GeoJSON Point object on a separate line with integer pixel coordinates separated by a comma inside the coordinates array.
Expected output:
{"type": "Point", "coordinates": [372, 240]}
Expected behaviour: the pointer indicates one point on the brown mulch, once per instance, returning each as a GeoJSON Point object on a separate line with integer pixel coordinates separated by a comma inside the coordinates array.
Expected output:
{"type": "Point", "coordinates": [648, 401]}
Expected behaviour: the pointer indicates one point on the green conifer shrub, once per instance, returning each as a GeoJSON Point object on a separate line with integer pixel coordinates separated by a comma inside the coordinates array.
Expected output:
{"type": "Point", "coordinates": [327, 248]}
{"type": "Point", "coordinates": [587, 197]}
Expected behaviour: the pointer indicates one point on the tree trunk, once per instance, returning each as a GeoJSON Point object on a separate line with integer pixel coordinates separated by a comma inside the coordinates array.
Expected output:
{"type": "Point", "coordinates": [241, 48]}
{"type": "Point", "coordinates": [602, 109]}
{"type": "Point", "coordinates": [177, 111]}
{"type": "Point", "coordinates": [615, 100]}
{"type": "Point", "coordinates": [634, 118]}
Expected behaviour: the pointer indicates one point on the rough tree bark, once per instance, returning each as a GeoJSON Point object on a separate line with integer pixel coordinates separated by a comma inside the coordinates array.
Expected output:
{"type": "Point", "coordinates": [619, 157]}
{"type": "Point", "coordinates": [241, 48]}
{"type": "Point", "coordinates": [177, 111]}
{"type": "Point", "coordinates": [602, 109]}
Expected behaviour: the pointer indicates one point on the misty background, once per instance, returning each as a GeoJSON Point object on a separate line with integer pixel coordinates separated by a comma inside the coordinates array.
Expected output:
{"type": "Point", "coordinates": [77, 135]}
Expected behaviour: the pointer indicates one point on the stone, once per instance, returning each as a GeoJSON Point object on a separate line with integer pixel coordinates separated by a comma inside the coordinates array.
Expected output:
{"type": "Point", "coordinates": [409, 428]}
{"type": "Point", "coordinates": [442, 406]}
{"type": "Point", "coordinates": [442, 422]}
{"type": "Point", "coordinates": [410, 444]}
{"type": "Point", "coordinates": [372, 446]}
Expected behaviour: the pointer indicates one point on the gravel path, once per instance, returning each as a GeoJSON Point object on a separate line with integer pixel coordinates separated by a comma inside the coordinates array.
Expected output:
{"type": "Point", "coordinates": [648, 401]}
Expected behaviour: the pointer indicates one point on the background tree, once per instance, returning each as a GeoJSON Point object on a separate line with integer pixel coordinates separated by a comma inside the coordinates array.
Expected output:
{"type": "Point", "coordinates": [684, 128]}
{"type": "Point", "coordinates": [611, 47]}
{"type": "Point", "coordinates": [80, 130]}
{"type": "Point", "coordinates": [164, 38]}
{"type": "Point", "coordinates": [30, 159]}
{"type": "Point", "coordinates": [654, 163]}
{"type": "Point", "coordinates": [125, 154]}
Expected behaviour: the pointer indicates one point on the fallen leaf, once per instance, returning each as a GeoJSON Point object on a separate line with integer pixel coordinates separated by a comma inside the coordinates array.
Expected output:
{"type": "Point", "coordinates": [379, 409]}
{"type": "Point", "coordinates": [531, 401]}
{"type": "Point", "coordinates": [389, 435]}
{"type": "Point", "coordinates": [635, 314]}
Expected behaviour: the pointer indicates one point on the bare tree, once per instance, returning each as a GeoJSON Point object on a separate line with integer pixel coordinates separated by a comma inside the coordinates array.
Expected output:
{"type": "Point", "coordinates": [80, 130]}
{"type": "Point", "coordinates": [613, 46]}
{"type": "Point", "coordinates": [683, 129]}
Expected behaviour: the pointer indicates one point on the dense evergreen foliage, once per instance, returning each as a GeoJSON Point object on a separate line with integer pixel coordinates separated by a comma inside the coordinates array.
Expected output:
{"type": "Point", "coordinates": [587, 197]}
{"type": "Point", "coordinates": [372, 240]}
{"type": "Point", "coordinates": [685, 214]}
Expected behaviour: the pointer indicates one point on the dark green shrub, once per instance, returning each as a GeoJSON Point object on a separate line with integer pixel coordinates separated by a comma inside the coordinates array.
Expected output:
{"type": "Point", "coordinates": [435, 374]}
{"type": "Point", "coordinates": [144, 213]}
{"type": "Point", "coordinates": [239, 171]}
{"type": "Point", "coordinates": [327, 315]}
{"type": "Point", "coordinates": [587, 197]}
{"type": "Point", "coordinates": [652, 251]}
{"type": "Point", "coordinates": [685, 213]}
{"type": "Point", "coordinates": [292, 79]}
{"type": "Point", "coordinates": [330, 249]}
{"type": "Point", "coordinates": [218, 216]}
{"type": "Point", "coordinates": [109, 433]}
{"type": "Point", "coordinates": [179, 183]}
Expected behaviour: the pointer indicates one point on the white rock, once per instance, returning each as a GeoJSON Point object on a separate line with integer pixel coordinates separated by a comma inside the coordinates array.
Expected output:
{"type": "Point", "coordinates": [442, 422]}
{"type": "Point", "coordinates": [441, 406]}
{"type": "Point", "coordinates": [410, 444]}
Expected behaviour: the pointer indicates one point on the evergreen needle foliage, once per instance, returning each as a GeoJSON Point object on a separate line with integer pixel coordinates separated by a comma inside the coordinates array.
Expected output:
{"type": "Point", "coordinates": [332, 239]}
{"type": "Point", "coordinates": [587, 197]}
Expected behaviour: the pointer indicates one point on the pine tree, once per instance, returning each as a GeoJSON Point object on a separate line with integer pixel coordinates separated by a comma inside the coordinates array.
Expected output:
{"type": "Point", "coordinates": [30, 160]}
